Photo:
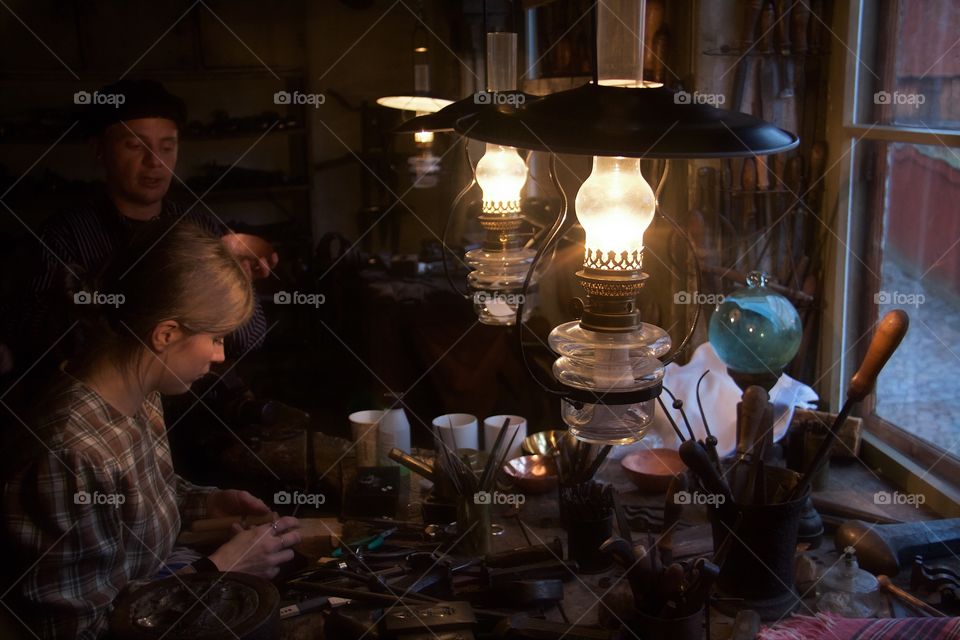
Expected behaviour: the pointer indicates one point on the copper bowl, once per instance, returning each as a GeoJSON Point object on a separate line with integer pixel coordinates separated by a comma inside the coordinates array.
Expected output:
{"type": "Point", "coordinates": [651, 469]}
{"type": "Point", "coordinates": [532, 474]}
{"type": "Point", "coordinates": [543, 443]}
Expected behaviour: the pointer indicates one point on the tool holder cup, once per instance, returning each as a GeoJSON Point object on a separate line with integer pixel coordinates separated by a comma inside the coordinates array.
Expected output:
{"type": "Point", "coordinates": [588, 525]}
{"type": "Point", "coordinates": [474, 525]}
{"type": "Point", "coordinates": [757, 570]}
{"type": "Point", "coordinates": [649, 627]}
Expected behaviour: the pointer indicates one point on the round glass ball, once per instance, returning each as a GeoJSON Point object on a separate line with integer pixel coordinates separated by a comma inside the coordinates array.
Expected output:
{"type": "Point", "coordinates": [755, 329]}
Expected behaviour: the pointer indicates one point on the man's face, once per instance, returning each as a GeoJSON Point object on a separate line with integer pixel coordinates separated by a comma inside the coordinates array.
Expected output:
{"type": "Point", "coordinates": [139, 157]}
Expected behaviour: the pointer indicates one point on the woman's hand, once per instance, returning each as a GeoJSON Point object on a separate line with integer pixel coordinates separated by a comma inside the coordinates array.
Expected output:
{"type": "Point", "coordinates": [261, 550]}
{"type": "Point", "coordinates": [233, 502]}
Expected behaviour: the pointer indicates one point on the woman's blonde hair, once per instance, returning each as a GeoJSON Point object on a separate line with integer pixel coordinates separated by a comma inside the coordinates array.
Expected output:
{"type": "Point", "coordinates": [169, 270]}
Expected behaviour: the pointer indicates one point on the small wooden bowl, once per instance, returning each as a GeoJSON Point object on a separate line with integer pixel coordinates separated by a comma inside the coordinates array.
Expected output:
{"type": "Point", "coordinates": [532, 474]}
{"type": "Point", "coordinates": [651, 469]}
{"type": "Point", "coordinates": [543, 443]}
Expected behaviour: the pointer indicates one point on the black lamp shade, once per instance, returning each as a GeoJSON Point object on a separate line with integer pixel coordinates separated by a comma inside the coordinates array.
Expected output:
{"type": "Point", "coordinates": [445, 119]}
{"type": "Point", "coordinates": [633, 122]}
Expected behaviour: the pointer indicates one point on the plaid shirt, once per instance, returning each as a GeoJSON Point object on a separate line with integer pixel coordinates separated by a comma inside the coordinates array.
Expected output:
{"type": "Point", "coordinates": [96, 510]}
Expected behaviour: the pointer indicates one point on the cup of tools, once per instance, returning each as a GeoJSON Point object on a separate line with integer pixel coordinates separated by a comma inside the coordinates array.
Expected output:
{"type": "Point", "coordinates": [755, 546]}
{"type": "Point", "coordinates": [586, 511]}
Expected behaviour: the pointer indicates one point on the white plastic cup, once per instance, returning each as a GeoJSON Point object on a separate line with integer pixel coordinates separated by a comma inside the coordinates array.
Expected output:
{"type": "Point", "coordinates": [492, 427]}
{"type": "Point", "coordinates": [365, 428]}
{"type": "Point", "coordinates": [394, 432]}
{"type": "Point", "coordinates": [458, 430]}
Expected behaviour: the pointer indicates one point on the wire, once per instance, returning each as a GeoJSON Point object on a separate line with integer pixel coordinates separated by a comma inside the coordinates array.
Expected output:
{"type": "Point", "coordinates": [696, 263]}
{"type": "Point", "coordinates": [552, 237]}
{"type": "Point", "coordinates": [446, 227]}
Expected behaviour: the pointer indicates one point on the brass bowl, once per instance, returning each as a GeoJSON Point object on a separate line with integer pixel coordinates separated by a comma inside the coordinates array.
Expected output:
{"type": "Point", "coordinates": [544, 443]}
{"type": "Point", "coordinates": [651, 469]}
{"type": "Point", "coordinates": [532, 474]}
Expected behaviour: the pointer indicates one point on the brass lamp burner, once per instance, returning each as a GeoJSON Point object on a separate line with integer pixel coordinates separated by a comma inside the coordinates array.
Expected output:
{"type": "Point", "coordinates": [611, 304]}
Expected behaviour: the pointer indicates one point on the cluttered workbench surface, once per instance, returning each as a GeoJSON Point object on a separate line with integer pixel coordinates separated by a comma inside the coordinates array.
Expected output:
{"type": "Point", "coordinates": [534, 584]}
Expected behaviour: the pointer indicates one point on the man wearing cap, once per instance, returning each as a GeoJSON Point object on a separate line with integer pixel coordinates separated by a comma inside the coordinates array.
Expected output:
{"type": "Point", "coordinates": [134, 127]}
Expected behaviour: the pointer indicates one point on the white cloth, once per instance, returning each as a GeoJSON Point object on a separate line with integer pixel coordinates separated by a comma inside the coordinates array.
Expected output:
{"type": "Point", "coordinates": [720, 395]}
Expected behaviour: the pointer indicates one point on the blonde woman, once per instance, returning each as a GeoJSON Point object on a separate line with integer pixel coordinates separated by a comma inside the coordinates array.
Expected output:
{"type": "Point", "coordinates": [92, 504]}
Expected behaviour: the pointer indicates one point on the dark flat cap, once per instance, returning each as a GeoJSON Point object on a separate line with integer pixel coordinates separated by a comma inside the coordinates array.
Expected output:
{"type": "Point", "coordinates": [129, 99]}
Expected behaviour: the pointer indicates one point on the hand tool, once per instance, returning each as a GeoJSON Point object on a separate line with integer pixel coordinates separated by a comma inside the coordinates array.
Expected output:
{"type": "Point", "coordinates": [748, 194]}
{"type": "Point", "coordinates": [911, 600]}
{"type": "Point", "coordinates": [698, 461]}
{"type": "Point", "coordinates": [672, 510]}
{"type": "Point", "coordinates": [413, 463]}
{"type": "Point", "coordinates": [886, 548]}
{"type": "Point", "coordinates": [751, 411]}
{"type": "Point", "coordinates": [938, 579]}
{"type": "Point", "coordinates": [311, 604]}
{"type": "Point", "coordinates": [886, 339]}
{"type": "Point", "coordinates": [783, 22]}
{"type": "Point", "coordinates": [751, 15]}
{"type": "Point", "coordinates": [710, 442]}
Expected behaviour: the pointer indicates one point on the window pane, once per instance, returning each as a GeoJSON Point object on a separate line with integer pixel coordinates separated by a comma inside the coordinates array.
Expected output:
{"type": "Point", "coordinates": [914, 79]}
{"type": "Point", "coordinates": [919, 390]}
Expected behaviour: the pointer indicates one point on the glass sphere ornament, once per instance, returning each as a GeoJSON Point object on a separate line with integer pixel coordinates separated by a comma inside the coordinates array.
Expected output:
{"type": "Point", "coordinates": [755, 330]}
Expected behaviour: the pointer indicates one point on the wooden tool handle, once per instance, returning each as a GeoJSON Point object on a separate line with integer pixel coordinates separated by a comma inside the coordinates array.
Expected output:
{"type": "Point", "coordinates": [765, 29]}
{"type": "Point", "coordinates": [799, 21]}
{"type": "Point", "coordinates": [750, 417]}
{"type": "Point", "coordinates": [783, 26]}
{"type": "Point", "coordinates": [751, 14]}
{"type": "Point", "coordinates": [698, 461]}
{"type": "Point", "coordinates": [911, 600]}
{"type": "Point", "coordinates": [885, 341]}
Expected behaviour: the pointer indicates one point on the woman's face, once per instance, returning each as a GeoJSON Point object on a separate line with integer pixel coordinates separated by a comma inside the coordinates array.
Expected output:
{"type": "Point", "coordinates": [188, 359]}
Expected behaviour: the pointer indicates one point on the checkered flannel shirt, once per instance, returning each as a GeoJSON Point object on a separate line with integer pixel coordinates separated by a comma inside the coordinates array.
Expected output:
{"type": "Point", "coordinates": [96, 509]}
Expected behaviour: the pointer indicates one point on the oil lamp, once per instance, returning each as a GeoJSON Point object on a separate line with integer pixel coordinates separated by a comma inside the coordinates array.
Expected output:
{"type": "Point", "coordinates": [610, 364]}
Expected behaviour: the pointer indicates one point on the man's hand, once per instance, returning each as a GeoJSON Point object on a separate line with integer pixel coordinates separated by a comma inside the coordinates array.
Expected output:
{"type": "Point", "coordinates": [255, 254]}
{"type": "Point", "coordinates": [233, 502]}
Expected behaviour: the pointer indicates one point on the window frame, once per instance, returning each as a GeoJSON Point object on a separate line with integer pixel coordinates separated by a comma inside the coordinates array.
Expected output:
{"type": "Point", "coordinates": [854, 257]}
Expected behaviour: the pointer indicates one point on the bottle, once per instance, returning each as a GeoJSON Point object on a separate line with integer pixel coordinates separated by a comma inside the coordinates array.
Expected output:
{"type": "Point", "coordinates": [847, 590]}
